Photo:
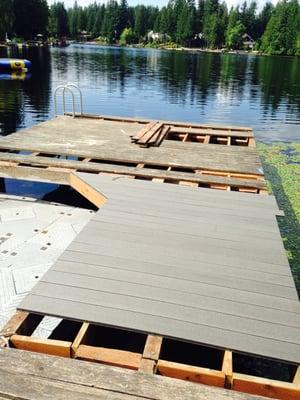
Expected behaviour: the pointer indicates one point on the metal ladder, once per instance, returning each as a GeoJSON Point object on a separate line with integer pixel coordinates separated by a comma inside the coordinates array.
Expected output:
{"type": "Point", "coordinates": [69, 87]}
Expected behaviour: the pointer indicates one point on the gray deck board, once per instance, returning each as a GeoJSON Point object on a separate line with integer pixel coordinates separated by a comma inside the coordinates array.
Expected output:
{"type": "Point", "coordinates": [153, 260]}
{"type": "Point", "coordinates": [85, 277]}
{"type": "Point", "coordinates": [85, 290]}
{"type": "Point", "coordinates": [169, 248]}
{"type": "Point", "coordinates": [185, 193]}
{"type": "Point", "coordinates": [286, 351]}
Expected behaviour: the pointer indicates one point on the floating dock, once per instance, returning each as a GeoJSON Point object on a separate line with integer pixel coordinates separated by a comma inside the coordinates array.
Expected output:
{"type": "Point", "coordinates": [181, 272]}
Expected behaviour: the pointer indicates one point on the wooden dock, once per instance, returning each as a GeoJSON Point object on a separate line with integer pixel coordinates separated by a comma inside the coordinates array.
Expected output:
{"type": "Point", "coordinates": [220, 158]}
{"type": "Point", "coordinates": [178, 279]}
{"type": "Point", "coordinates": [31, 376]}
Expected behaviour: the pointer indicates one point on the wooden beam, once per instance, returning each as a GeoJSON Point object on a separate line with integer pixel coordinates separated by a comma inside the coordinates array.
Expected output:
{"type": "Point", "coordinates": [227, 368]}
{"type": "Point", "coordinates": [44, 175]}
{"type": "Point", "coordinates": [47, 346]}
{"type": "Point", "coordinates": [152, 347]}
{"type": "Point", "coordinates": [87, 191]}
{"type": "Point", "coordinates": [151, 354]}
{"type": "Point", "coordinates": [191, 373]}
{"type": "Point", "coordinates": [147, 366]}
{"type": "Point", "coordinates": [41, 376]}
{"type": "Point", "coordinates": [119, 358]}
{"type": "Point", "coordinates": [244, 130]}
{"type": "Point", "coordinates": [14, 324]}
{"type": "Point", "coordinates": [79, 338]}
{"type": "Point", "coordinates": [296, 379]}
{"type": "Point", "coordinates": [265, 387]}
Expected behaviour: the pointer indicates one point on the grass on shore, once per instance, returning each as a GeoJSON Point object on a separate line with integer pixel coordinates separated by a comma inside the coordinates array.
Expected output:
{"type": "Point", "coordinates": [281, 164]}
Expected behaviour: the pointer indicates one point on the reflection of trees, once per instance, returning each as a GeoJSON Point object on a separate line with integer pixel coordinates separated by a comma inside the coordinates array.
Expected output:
{"type": "Point", "coordinates": [278, 78]}
{"type": "Point", "coordinates": [14, 95]}
{"type": "Point", "coordinates": [11, 100]}
{"type": "Point", "coordinates": [37, 89]}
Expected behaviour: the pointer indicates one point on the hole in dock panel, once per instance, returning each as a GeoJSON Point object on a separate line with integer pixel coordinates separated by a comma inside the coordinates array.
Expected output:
{"type": "Point", "coordinates": [158, 167]}
{"type": "Point", "coordinates": [121, 163]}
{"type": "Point", "coordinates": [218, 140]}
{"type": "Point", "coordinates": [197, 138]}
{"type": "Point", "coordinates": [29, 325]}
{"type": "Point", "coordinates": [191, 354]}
{"type": "Point", "coordinates": [263, 367]}
{"type": "Point", "coordinates": [183, 169]}
{"type": "Point", "coordinates": [66, 330]}
{"type": "Point", "coordinates": [101, 336]}
{"type": "Point", "coordinates": [175, 136]}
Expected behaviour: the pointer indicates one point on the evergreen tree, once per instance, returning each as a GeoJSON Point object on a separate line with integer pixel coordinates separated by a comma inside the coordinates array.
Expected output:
{"type": "Point", "coordinates": [7, 18]}
{"type": "Point", "coordinates": [58, 20]}
{"type": "Point", "coordinates": [282, 31]}
{"type": "Point", "coordinates": [234, 35]}
{"type": "Point", "coordinates": [140, 21]}
{"type": "Point", "coordinates": [96, 30]}
{"type": "Point", "coordinates": [263, 19]}
{"type": "Point", "coordinates": [123, 16]}
{"type": "Point", "coordinates": [31, 17]}
{"type": "Point", "coordinates": [110, 22]}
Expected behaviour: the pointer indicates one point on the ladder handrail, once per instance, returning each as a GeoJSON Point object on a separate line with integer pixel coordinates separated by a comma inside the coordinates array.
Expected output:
{"type": "Point", "coordinates": [67, 87]}
{"type": "Point", "coordinates": [80, 95]}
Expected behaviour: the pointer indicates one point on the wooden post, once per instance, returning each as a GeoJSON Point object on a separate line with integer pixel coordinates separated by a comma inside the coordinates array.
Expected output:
{"type": "Point", "coordinates": [151, 354]}
{"type": "Point", "coordinates": [227, 368]}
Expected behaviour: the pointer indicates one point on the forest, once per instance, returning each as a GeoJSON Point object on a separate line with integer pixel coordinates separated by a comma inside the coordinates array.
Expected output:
{"type": "Point", "coordinates": [207, 23]}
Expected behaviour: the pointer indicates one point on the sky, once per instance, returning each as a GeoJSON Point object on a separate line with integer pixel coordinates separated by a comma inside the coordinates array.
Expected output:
{"type": "Point", "coordinates": [160, 3]}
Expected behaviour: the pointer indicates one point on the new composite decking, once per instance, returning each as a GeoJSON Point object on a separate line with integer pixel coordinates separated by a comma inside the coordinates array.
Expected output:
{"type": "Point", "coordinates": [199, 265]}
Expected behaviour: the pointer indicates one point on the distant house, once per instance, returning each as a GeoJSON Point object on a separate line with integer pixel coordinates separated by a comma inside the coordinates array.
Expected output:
{"type": "Point", "coordinates": [157, 37]}
{"type": "Point", "coordinates": [248, 42]}
{"type": "Point", "coordinates": [84, 36]}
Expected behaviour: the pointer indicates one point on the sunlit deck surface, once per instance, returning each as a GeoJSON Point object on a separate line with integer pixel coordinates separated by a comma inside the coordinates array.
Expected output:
{"type": "Point", "coordinates": [218, 157]}
{"type": "Point", "coordinates": [38, 376]}
{"type": "Point", "coordinates": [181, 271]}
{"type": "Point", "coordinates": [203, 265]}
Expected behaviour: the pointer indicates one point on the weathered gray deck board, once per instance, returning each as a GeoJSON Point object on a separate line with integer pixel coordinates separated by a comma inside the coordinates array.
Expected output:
{"type": "Point", "coordinates": [110, 140]}
{"type": "Point", "coordinates": [223, 291]}
{"type": "Point", "coordinates": [120, 169]}
{"type": "Point", "coordinates": [35, 376]}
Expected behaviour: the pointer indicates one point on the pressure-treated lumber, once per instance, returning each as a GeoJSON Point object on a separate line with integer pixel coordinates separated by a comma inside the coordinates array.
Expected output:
{"type": "Point", "coordinates": [33, 376]}
{"type": "Point", "coordinates": [265, 387]}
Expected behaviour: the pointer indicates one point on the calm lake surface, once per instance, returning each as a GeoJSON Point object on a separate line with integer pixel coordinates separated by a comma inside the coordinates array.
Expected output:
{"type": "Point", "coordinates": [261, 92]}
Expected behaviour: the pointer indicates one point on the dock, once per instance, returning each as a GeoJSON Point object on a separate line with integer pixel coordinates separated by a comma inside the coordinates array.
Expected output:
{"type": "Point", "coordinates": [181, 271]}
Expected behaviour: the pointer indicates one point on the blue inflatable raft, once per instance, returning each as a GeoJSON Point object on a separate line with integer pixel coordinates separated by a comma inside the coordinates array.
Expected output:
{"type": "Point", "coordinates": [14, 64]}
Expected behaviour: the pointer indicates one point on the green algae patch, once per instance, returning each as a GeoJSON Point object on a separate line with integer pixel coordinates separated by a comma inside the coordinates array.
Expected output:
{"type": "Point", "coordinates": [281, 164]}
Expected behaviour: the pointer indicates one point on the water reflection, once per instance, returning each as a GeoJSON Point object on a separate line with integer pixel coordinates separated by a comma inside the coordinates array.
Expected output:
{"type": "Point", "coordinates": [262, 92]}
{"type": "Point", "coordinates": [24, 97]}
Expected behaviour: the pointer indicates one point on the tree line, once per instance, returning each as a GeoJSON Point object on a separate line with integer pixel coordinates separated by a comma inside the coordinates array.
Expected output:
{"type": "Point", "coordinates": [209, 23]}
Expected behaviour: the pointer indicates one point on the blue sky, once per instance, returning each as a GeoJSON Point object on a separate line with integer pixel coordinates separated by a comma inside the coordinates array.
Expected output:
{"type": "Point", "coordinates": [160, 3]}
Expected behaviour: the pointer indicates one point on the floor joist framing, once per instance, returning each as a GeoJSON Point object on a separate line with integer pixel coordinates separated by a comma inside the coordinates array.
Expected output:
{"type": "Point", "coordinates": [150, 359]}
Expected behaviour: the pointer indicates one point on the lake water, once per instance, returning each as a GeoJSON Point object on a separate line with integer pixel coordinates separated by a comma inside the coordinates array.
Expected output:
{"type": "Point", "coordinates": [245, 90]}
